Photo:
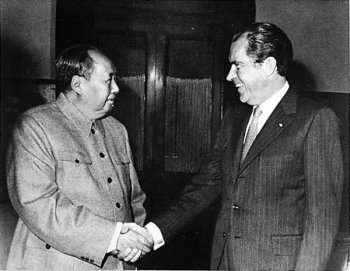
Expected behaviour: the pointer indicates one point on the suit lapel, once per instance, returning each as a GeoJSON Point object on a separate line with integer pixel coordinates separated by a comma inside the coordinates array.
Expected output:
{"type": "Point", "coordinates": [235, 142]}
{"type": "Point", "coordinates": [279, 120]}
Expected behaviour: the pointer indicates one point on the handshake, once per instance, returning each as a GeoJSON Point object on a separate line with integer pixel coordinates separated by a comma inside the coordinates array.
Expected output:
{"type": "Point", "coordinates": [134, 242]}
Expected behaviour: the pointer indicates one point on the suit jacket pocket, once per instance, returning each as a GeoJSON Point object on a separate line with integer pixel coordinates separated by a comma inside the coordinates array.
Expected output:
{"type": "Point", "coordinates": [286, 245]}
{"type": "Point", "coordinates": [122, 164]}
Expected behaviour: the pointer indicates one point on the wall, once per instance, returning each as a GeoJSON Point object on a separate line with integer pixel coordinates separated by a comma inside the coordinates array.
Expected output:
{"type": "Point", "coordinates": [27, 71]}
{"type": "Point", "coordinates": [319, 31]}
{"type": "Point", "coordinates": [28, 38]}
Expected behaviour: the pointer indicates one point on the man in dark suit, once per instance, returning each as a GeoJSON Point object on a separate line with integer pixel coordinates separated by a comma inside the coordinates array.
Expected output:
{"type": "Point", "coordinates": [277, 164]}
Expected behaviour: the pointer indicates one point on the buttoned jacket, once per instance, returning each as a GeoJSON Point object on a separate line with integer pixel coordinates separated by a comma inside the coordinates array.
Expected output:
{"type": "Point", "coordinates": [280, 207]}
{"type": "Point", "coordinates": [70, 182]}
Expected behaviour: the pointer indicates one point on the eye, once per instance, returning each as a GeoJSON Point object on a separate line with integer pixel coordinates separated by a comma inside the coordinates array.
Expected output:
{"type": "Point", "coordinates": [236, 65]}
{"type": "Point", "coordinates": [109, 81]}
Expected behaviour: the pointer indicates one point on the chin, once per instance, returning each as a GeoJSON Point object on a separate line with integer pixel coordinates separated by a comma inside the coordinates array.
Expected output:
{"type": "Point", "coordinates": [109, 109]}
{"type": "Point", "coordinates": [243, 99]}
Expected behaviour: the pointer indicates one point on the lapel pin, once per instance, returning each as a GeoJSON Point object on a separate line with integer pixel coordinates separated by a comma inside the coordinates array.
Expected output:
{"type": "Point", "coordinates": [280, 124]}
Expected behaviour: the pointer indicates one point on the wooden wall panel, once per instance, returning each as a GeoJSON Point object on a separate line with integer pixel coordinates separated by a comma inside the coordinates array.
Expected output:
{"type": "Point", "coordinates": [187, 121]}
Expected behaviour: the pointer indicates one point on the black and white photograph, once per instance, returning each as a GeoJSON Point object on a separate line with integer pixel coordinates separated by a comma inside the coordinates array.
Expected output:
{"type": "Point", "coordinates": [175, 135]}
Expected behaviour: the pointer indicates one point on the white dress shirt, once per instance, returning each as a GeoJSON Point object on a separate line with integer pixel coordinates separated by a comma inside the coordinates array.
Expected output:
{"type": "Point", "coordinates": [267, 107]}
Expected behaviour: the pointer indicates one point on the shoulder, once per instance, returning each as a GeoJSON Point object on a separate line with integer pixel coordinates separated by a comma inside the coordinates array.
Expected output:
{"type": "Point", "coordinates": [116, 128]}
{"type": "Point", "coordinates": [314, 113]}
{"type": "Point", "coordinates": [41, 111]}
{"type": "Point", "coordinates": [113, 122]}
{"type": "Point", "coordinates": [38, 115]}
{"type": "Point", "coordinates": [310, 105]}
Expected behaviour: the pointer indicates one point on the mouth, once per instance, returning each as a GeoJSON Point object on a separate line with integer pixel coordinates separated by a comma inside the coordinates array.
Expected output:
{"type": "Point", "coordinates": [110, 103]}
{"type": "Point", "coordinates": [111, 98]}
{"type": "Point", "coordinates": [238, 85]}
{"type": "Point", "coordinates": [237, 82]}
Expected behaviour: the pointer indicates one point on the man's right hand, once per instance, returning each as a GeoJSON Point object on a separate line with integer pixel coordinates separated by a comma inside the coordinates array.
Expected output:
{"type": "Point", "coordinates": [133, 242]}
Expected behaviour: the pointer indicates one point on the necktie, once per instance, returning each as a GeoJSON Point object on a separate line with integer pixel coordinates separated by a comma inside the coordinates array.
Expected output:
{"type": "Point", "coordinates": [252, 132]}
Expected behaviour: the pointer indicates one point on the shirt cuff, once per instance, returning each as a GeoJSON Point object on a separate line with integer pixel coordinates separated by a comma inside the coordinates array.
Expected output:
{"type": "Point", "coordinates": [156, 235]}
{"type": "Point", "coordinates": [113, 243]}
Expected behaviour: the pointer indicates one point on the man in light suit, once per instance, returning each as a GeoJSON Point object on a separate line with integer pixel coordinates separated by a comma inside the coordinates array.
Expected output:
{"type": "Point", "coordinates": [277, 165]}
{"type": "Point", "coordinates": [71, 176]}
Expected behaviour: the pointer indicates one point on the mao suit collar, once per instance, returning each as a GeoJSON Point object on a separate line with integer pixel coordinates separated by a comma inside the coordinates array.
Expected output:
{"type": "Point", "coordinates": [81, 123]}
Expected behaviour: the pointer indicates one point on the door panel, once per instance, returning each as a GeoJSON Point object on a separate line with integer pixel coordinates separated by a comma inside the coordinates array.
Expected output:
{"type": "Point", "coordinates": [188, 103]}
{"type": "Point", "coordinates": [128, 53]}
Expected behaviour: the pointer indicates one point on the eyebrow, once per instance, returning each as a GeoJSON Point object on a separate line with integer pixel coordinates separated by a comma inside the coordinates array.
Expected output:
{"type": "Point", "coordinates": [235, 62]}
{"type": "Point", "coordinates": [114, 73]}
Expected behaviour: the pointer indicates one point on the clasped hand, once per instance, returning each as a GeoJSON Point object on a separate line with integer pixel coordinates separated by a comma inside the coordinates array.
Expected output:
{"type": "Point", "coordinates": [134, 242]}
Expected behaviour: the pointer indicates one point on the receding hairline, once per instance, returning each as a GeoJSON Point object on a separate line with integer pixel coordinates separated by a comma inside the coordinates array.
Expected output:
{"type": "Point", "coordinates": [244, 38]}
{"type": "Point", "coordinates": [95, 54]}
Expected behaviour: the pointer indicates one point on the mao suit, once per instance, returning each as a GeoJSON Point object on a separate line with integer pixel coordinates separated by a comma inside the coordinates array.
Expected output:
{"type": "Point", "coordinates": [70, 181]}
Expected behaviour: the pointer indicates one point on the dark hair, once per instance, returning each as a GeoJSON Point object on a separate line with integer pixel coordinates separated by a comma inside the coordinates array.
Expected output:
{"type": "Point", "coordinates": [265, 40]}
{"type": "Point", "coordinates": [74, 60]}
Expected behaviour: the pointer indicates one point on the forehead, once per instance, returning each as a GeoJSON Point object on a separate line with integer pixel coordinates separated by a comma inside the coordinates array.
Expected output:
{"type": "Point", "coordinates": [101, 63]}
{"type": "Point", "coordinates": [238, 50]}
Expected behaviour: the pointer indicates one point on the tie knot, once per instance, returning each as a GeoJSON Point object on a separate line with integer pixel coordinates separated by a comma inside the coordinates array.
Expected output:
{"type": "Point", "coordinates": [257, 112]}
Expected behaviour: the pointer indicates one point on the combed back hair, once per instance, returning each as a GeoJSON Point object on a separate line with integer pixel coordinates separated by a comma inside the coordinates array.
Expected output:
{"type": "Point", "coordinates": [74, 60]}
{"type": "Point", "coordinates": [265, 40]}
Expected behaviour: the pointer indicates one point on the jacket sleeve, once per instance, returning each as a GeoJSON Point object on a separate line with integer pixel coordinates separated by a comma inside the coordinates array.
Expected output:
{"type": "Point", "coordinates": [203, 189]}
{"type": "Point", "coordinates": [323, 179]}
{"type": "Point", "coordinates": [46, 211]}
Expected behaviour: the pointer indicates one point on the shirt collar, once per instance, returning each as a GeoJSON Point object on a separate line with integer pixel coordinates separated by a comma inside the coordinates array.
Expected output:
{"type": "Point", "coordinates": [270, 104]}
{"type": "Point", "coordinates": [82, 123]}
{"type": "Point", "coordinates": [99, 124]}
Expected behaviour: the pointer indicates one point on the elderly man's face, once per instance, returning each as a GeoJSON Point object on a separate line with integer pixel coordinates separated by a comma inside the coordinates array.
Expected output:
{"type": "Point", "coordinates": [248, 76]}
{"type": "Point", "coordinates": [100, 89]}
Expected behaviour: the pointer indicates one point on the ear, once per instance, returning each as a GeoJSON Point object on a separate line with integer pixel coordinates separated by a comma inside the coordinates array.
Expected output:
{"type": "Point", "coordinates": [76, 84]}
{"type": "Point", "coordinates": [270, 64]}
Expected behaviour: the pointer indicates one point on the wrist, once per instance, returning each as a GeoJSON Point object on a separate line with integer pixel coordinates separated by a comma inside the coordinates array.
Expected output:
{"type": "Point", "coordinates": [156, 235]}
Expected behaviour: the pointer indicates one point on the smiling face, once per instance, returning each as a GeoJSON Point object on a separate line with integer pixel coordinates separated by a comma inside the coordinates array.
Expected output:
{"type": "Point", "coordinates": [99, 90]}
{"type": "Point", "coordinates": [249, 77]}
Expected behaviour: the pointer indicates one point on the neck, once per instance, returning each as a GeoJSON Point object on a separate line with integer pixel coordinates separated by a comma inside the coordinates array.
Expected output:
{"type": "Point", "coordinates": [275, 85]}
{"type": "Point", "coordinates": [279, 83]}
{"type": "Point", "coordinates": [77, 103]}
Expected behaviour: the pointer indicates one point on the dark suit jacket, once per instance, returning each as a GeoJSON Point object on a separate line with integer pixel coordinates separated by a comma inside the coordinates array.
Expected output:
{"type": "Point", "coordinates": [280, 207]}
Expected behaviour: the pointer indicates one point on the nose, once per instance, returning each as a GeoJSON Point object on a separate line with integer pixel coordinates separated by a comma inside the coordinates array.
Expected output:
{"type": "Point", "coordinates": [232, 73]}
{"type": "Point", "coordinates": [115, 88]}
